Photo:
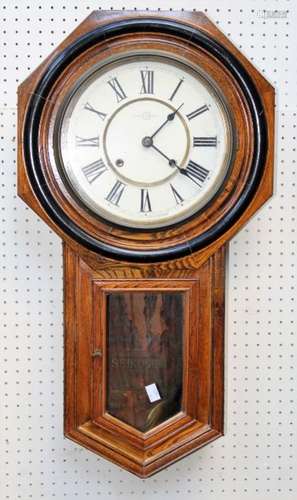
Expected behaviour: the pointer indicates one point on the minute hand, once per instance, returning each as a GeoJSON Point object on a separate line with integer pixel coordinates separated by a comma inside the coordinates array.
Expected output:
{"type": "Point", "coordinates": [170, 117]}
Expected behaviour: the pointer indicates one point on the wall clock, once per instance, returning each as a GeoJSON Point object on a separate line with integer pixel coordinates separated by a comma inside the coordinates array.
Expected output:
{"type": "Point", "coordinates": [145, 142]}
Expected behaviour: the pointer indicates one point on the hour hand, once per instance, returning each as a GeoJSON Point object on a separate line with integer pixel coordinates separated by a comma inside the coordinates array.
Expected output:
{"type": "Point", "coordinates": [171, 161]}
{"type": "Point", "coordinates": [161, 153]}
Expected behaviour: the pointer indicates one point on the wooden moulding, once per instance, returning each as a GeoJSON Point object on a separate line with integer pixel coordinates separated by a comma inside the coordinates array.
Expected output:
{"type": "Point", "coordinates": [142, 246]}
{"type": "Point", "coordinates": [201, 417]}
{"type": "Point", "coordinates": [179, 233]}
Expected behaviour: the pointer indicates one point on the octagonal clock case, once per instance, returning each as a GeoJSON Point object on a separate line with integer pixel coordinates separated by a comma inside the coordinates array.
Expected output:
{"type": "Point", "coordinates": [145, 142]}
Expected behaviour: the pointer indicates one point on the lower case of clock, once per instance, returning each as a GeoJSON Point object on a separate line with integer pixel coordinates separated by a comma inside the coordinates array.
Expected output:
{"type": "Point", "coordinates": [143, 359]}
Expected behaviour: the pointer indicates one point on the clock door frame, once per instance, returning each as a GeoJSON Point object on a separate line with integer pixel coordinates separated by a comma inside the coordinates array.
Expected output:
{"type": "Point", "coordinates": [188, 291]}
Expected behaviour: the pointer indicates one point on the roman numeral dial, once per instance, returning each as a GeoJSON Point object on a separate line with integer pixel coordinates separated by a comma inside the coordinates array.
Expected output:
{"type": "Point", "coordinates": [94, 170]}
{"type": "Point", "coordinates": [145, 141]}
{"type": "Point", "coordinates": [118, 89]}
{"type": "Point", "coordinates": [197, 112]}
{"type": "Point", "coordinates": [145, 202]}
{"type": "Point", "coordinates": [116, 193]}
{"type": "Point", "coordinates": [91, 142]}
{"type": "Point", "coordinates": [176, 90]}
{"type": "Point", "coordinates": [205, 142]}
{"type": "Point", "coordinates": [178, 198]}
{"type": "Point", "coordinates": [91, 108]}
{"type": "Point", "coordinates": [196, 173]}
{"type": "Point", "coordinates": [147, 82]}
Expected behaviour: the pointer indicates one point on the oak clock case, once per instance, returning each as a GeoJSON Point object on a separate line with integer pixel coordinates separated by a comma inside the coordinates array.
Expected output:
{"type": "Point", "coordinates": [145, 142]}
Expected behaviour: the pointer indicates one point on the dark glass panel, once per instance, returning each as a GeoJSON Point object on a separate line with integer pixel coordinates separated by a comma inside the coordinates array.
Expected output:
{"type": "Point", "coordinates": [144, 366]}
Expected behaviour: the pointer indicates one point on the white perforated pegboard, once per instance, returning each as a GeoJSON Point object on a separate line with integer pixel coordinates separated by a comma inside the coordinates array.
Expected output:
{"type": "Point", "coordinates": [257, 458]}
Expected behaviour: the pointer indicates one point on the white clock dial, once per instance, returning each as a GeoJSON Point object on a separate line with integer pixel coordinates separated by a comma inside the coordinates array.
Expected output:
{"type": "Point", "coordinates": [145, 141]}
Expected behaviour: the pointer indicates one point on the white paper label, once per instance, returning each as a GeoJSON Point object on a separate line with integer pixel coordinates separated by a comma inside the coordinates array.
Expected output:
{"type": "Point", "coordinates": [152, 392]}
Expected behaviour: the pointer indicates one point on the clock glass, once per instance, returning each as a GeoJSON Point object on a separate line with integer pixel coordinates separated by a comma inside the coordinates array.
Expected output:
{"type": "Point", "coordinates": [145, 141]}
